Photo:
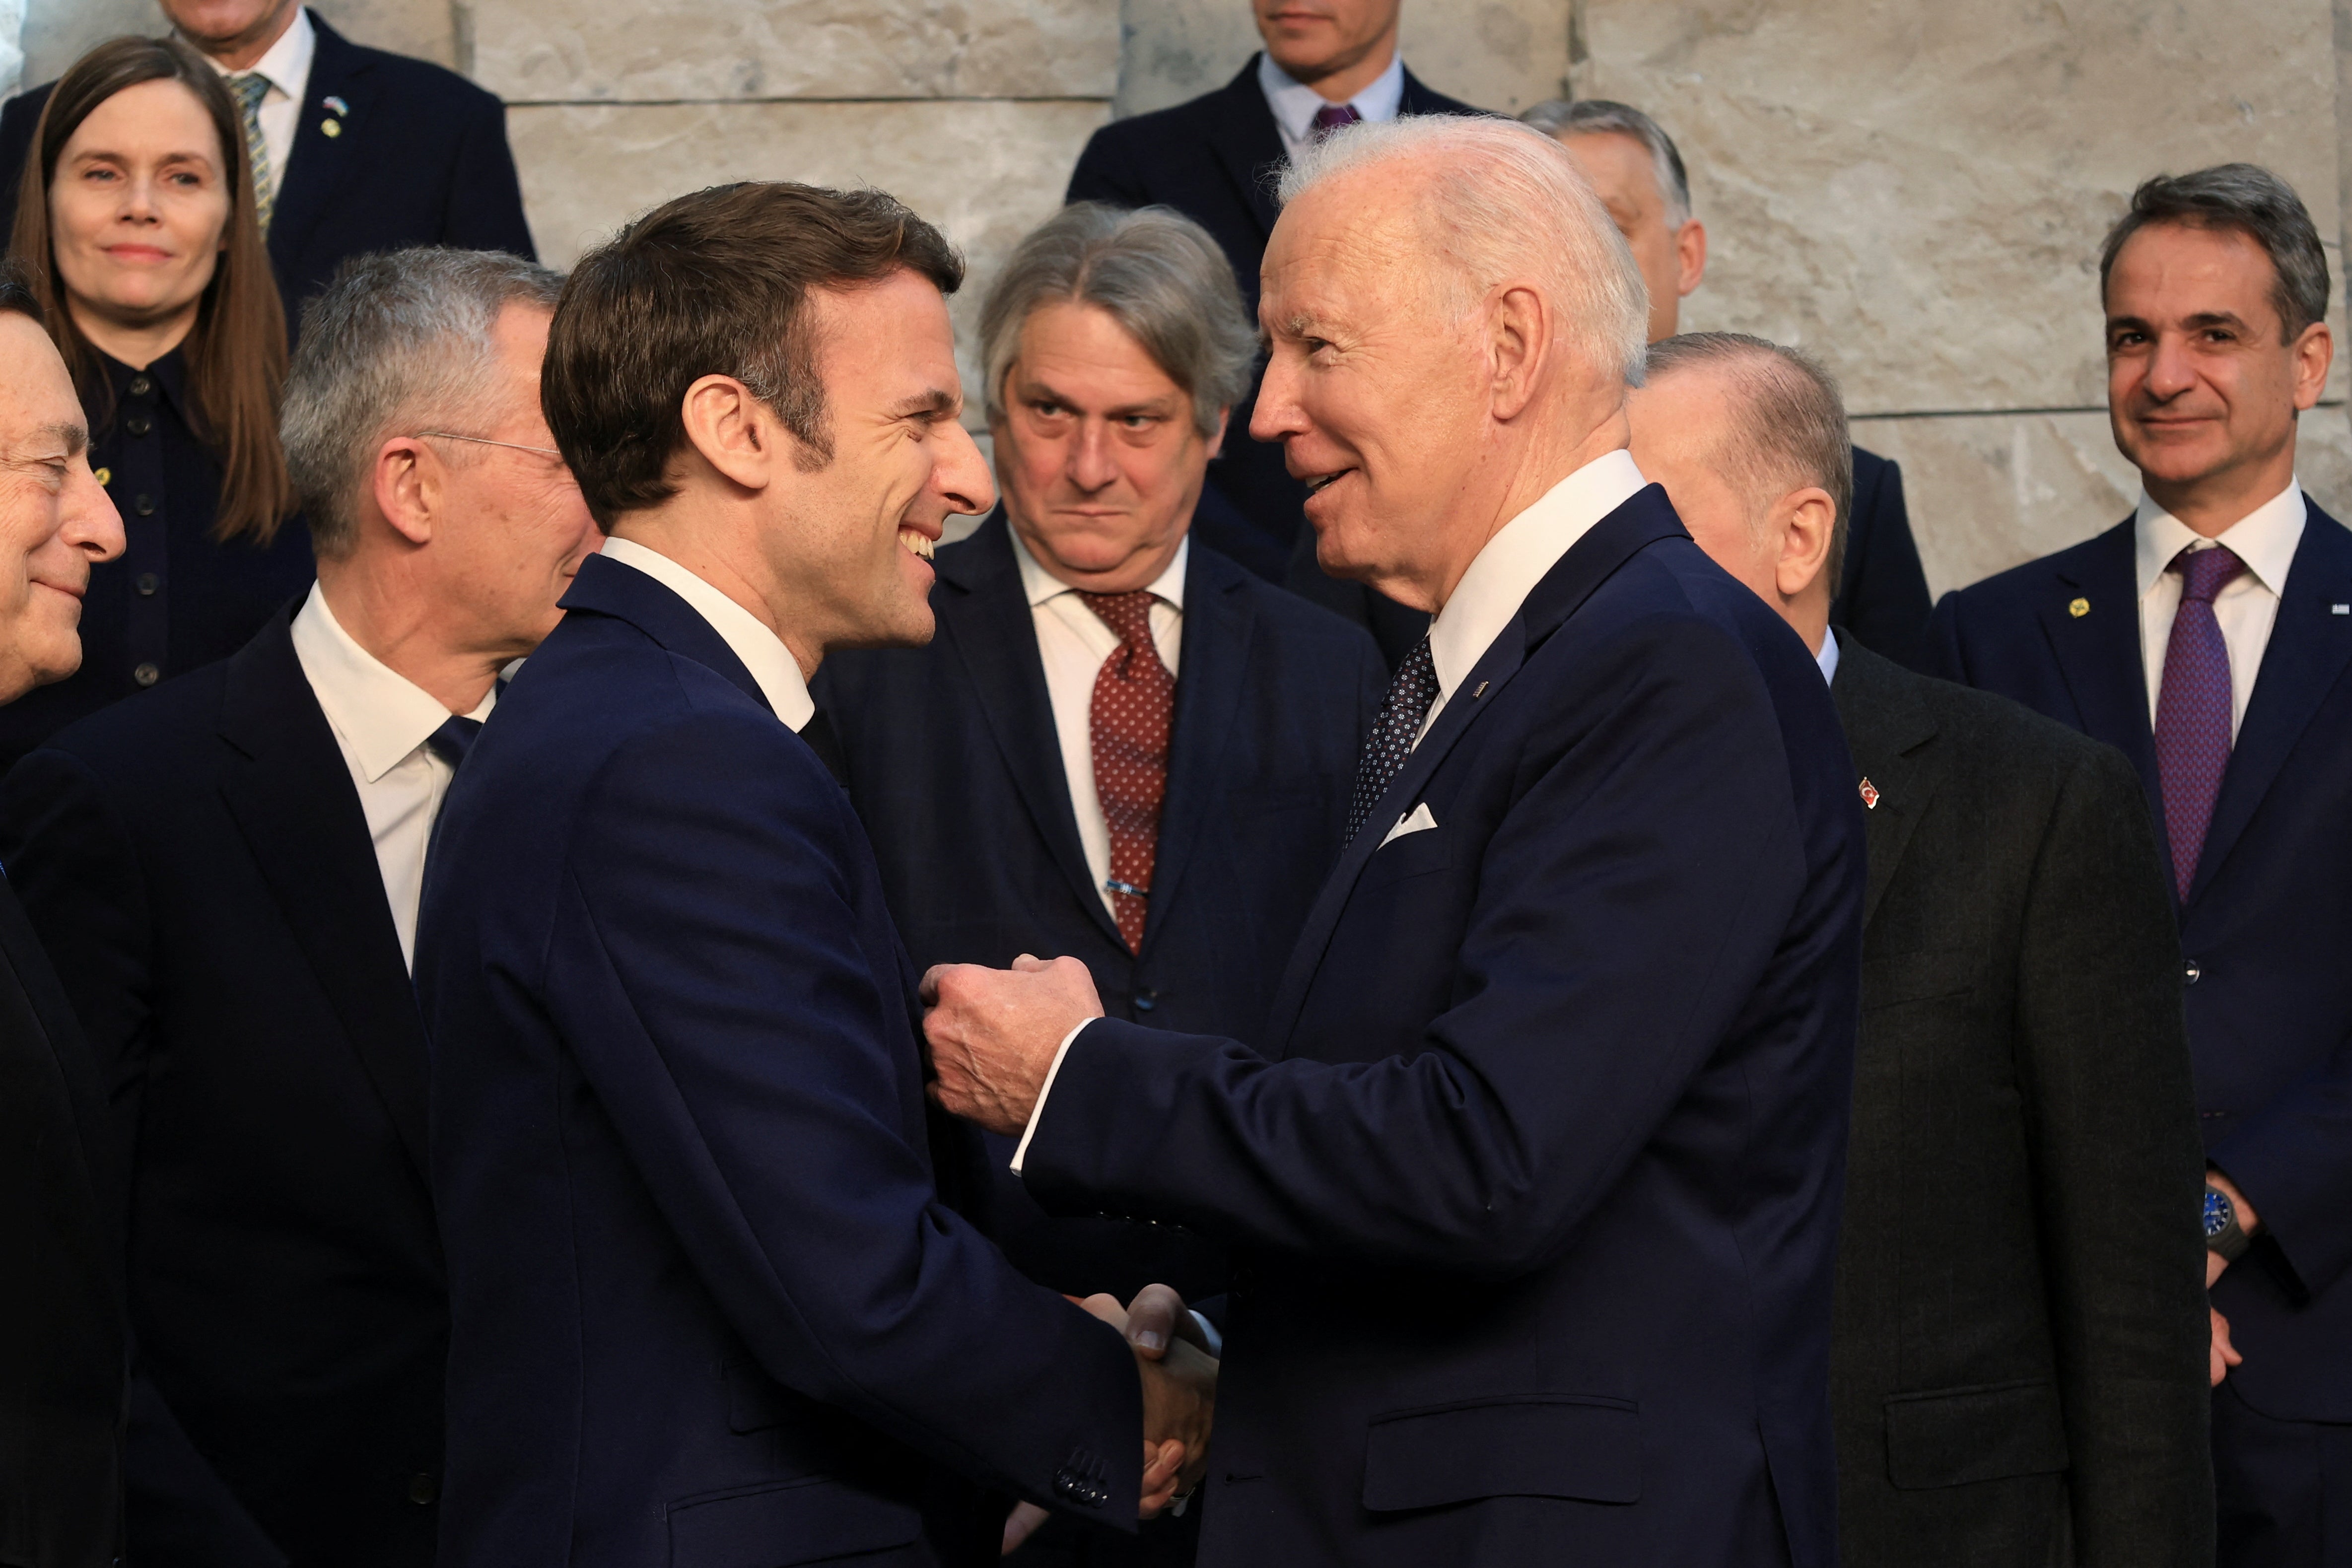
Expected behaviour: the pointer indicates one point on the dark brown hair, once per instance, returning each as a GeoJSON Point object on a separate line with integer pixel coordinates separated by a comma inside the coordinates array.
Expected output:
{"type": "Point", "coordinates": [711, 284]}
{"type": "Point", "coordinates": [236, 352]}
{"type": "Point", "coordinates": [2241, 198]}
{"type": "Point", "coordinates": [14, 296]}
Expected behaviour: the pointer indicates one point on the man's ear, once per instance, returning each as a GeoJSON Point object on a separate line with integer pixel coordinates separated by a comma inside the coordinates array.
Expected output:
{"type": "Point", "coordinates": [408, 487]}
{"type": "Point", "coordinates": [2313, 351]}
{"type": "Point", "coordinates": [734, 432]}
{"type": "Point", "coordinates": [1519, 323]}
{"type": "Point", "coordinates": [1690, 257]}
{"type": "Point", "coordinates": [1805, 521]}
{"type": "Point", "coordinates": [1217, 441]}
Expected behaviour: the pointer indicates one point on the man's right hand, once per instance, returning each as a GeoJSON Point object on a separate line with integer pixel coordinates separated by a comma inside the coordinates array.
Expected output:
{"type": "Point", "coordinates": [1180, 1396]}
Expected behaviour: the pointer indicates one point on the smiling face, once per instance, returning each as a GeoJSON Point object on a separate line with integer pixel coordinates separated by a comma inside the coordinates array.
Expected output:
{"type": "Point", "coordinates": [54, 520]}
{"type": "Point", "coordinates": [851, 541]}
{"type": "Point", "coordinates": [2202, 386]}
{"type": "Point", "coordinates": [1315, 39]}
{"type": "Point", "coordinates": [138, 206]}
{"type": "Point", "coordinates": [1096, 449]}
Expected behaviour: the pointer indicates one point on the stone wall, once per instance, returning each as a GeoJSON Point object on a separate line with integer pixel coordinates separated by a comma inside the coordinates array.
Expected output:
{"type": "Point", "coordinates": [1915, 192]}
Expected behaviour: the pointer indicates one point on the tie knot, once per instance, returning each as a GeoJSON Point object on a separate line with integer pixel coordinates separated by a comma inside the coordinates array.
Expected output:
{"type": "Point", "coordinates": [453, 739]}
{"type": "Point", "coordinates": [1416, 678]}
{"type": "Point", "coordinates": [2204, 573]}
{"type": "Point", "coordinates": [250, 87]}
{"type": "Point", "coordinates": [1129, 614]}
{"type": "Point", "coordinates": [1332, 116]}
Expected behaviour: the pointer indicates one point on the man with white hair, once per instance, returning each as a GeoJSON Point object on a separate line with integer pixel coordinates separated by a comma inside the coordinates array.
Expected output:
{"type": "Point", "coordinates": [1532, 1180]}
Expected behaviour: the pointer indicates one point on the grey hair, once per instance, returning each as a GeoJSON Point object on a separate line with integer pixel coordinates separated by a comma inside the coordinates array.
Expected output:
{"type": "Point", "coordinates": [396, 344]}
{"type": "Point", "coordinates": [1555, 117]}
{"type": "Point", "coordinates": [1789, 427]}
{"type": "Point", "coordinates": [1511, 205]}
{"type": "Point", "coordinates": [2251, 201]}
{"type": "Point", "coordinates": [1154, 271]}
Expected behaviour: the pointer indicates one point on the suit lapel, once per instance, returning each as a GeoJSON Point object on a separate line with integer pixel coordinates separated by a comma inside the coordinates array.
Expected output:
{"type": "Point", "coordinates": [320, 163]}
{"type": "Point", "coordinates": [1218, 628]}
{"type": "Point", "coordinates": [2309, 646]}
{"type": "Point", "coordinates": [608, 587]}
{"type": "Point", "coordinates": [985, 616]}
{"type": "Point", "coordinates": [2098, 651]}
{"type": "Point", "coordinates": [290, 793]}
{"type": "Point", "coordinates": [1890, 732]}
{"type": "Point", "coordinates": [1248, 144]}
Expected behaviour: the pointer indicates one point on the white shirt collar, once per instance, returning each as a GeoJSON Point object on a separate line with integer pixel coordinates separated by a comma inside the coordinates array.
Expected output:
{"type": "Point", "coordinates": [382, 714]}
{"type": "Point", "coordinates": [773, 669]}
{"type": "Point", "coordinates": [1040, 585]}
{"type": "Point", "coordinates": [1293, 103]}
{"type": "Point", "coordinates": [2265, 538]}
{"type": "Point", "coordinates": [1828, 657]}
{"type": "Point", "coordinates": [1515, 559]}
{"type": "Point", "coordinates": [287, 63]}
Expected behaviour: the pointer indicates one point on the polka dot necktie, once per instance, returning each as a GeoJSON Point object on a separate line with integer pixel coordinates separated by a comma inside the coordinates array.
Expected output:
{"type": "Point", "coordinates": [2192, 708]}
{"type": "Point", "coordinates": [1128, 724]}
{"type": "Point", "coordinates": [249, 89]}
{"type": "Point", "coordinates": [1401, 714]}
{"type": "Point", "coordinates": [1332, 116]}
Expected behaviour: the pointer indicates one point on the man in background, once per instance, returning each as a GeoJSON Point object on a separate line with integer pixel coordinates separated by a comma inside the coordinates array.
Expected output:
{"type": "Point", "coordinates": [63, 1340]}
{"type": "Point", "coordinates": [226, 871]}
{"type": "Point", "coordinates": [1882, 593]}
{"type": "Point", "coordinates": [2208, 636]}
{"type": "Point", "coordinates": [353, 149]}
{"type": "Point", "coordinates": [2019, 1345]}
{"type": "Point", "coordinates": [1327, 63]}
{"type": "Point", "coordinates": [1150, 747]}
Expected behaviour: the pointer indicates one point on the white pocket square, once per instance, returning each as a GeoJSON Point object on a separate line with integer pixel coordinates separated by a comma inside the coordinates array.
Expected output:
{"type": "Point", "coordinates": [1420, 821]}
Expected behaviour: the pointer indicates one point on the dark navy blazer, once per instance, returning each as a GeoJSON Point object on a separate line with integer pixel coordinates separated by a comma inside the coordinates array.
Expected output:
{"type": "Point", "coordinates": [2267, 924]}
{"type": "Point", "coordinates": [1535, 1183]}
{"type": "Point", "coordinates": [706, 1306]}
{"type": "Point", "coordinates": [1273, 699]}
{"type": "Point", "coordinates": [196, 859]}
{"type": "Point", "coordinates": [418, 156]}
{"type": "Point", "coordinates": [1882, 597]}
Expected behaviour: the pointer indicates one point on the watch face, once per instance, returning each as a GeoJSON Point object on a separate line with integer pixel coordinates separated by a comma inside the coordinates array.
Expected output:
{"type": "Point", "coordinates": [2217, 1212]}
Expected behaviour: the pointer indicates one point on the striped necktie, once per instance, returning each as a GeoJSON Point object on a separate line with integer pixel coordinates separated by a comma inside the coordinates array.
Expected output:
{"type": "Point", "coordinates": [250, 87]}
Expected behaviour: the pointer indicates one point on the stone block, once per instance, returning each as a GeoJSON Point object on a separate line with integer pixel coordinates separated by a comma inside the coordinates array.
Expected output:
{"type": "Point", "coordinates": [1918, 192]}
{"type": "Point", "coordinates": [570, 51]}
{"type": "Point", "coordinates": [1988, 492]}
{"type": "Point", "coordinates": [986, 172]}
{"type": "Point", "coordinates": [1498, 54]}
{"type": "Point", "coordinates": [58, 32]}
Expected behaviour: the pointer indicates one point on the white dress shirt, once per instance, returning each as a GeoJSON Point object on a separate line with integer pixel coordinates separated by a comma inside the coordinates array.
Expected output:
{"type": "Point", "coordinates": [1293, 103]}
{"type": "Point", "coordinates": [1074, 642]}
{"type": "Point", "coordinates": [1499, 579]}
{"type": "Point", "coordinates": [287, 66]}
{"type": "Point", "coordinates": [1828, 657]}
{"type": "Point", "coordinates": [2247, 606]}
{"type": "Point", "coordinates": [773, 669]}
{"type": "Point", "coordinates": [382, 720]}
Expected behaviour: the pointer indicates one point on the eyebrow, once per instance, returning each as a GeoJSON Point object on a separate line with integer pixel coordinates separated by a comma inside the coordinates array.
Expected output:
{"type": "Point", "coordinates": [70, 434]}
{"type": "Point", "coordinates": [938, 403]}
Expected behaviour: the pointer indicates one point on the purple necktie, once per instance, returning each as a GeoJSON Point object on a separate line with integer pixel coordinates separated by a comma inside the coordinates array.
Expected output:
{"type": "Point", "coordinates": [1332, 116]}
{"type": "Point", "coordinates": [2192, 708]}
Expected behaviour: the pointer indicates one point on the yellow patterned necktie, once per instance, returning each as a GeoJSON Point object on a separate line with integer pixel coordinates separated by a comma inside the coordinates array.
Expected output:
{"type": "Point", "coordinates": [250, 87]}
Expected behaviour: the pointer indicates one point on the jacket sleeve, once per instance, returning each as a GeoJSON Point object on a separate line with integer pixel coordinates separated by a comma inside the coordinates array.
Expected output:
{"type": "Point", "coordinates": [1627, 904]}
{"type": "Point", "coordinates": [1884, 599]}
{"type": "Point", "coordinates": [2292, 1160]}
{"type": "Point", "coordinates": [2102, 1057]}
{"type": "Point", "coordinates": [705, 969]}
{"type": "Point", "coordinates": [484, 208]}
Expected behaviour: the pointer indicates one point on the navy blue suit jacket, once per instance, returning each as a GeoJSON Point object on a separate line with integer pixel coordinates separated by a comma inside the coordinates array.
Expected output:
{"type": "Point", "coordinates": [2265, 928]}
{"type": "Point", "coordinates": [1273, 700]}
{"type": "Point", "coordinates": [706, 1306]}
{"type": "Point", "coordinates": [198, 863]}
{"type": "Point", "coordinates": [1882, 597]}
{"type": "Point", "coordinates": [1535, 1183]}
{"type": "Point", "coordinates": [418, 156]}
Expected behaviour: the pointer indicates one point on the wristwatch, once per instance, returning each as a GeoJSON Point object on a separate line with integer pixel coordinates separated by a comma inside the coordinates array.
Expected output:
{"type": "Point", "coordinates": [2223, 1232]}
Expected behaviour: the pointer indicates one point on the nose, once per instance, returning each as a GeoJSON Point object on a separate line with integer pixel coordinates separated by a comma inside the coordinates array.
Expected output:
{"type": "Point", "coordinates": [2169, 370]}
{"type": "Point", "coordinates": [962, 477]}
{"type": "Point", "coordinates": [90, 523]}
{"type": "Point", "coordinates": [1092, 467]}
{"type": "Point", "coordinates": [1279, 413]}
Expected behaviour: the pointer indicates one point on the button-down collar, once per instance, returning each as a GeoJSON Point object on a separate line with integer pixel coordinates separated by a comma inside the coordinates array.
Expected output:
{"type": "Point", "coordinates": [2265, 538]}
{"type": "Point", "coordinates": [381, 714]}
{"type": "Point", "coordinates": [1040, 585]}
{"type": "Point", "coordinates": [773, 669]}
{"type": "Point", "coordinates": [1293, 103]}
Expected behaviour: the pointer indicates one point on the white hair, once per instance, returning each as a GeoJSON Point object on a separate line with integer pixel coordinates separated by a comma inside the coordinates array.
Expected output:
{"type": "Point", "coordinates": [1507, 203]}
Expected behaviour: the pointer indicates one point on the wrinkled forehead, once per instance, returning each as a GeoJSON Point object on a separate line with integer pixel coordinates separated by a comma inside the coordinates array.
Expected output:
{"type": "Point", "coordinates": [38, 405]}
{"type": "Point", "coordinates": [1354, 244]}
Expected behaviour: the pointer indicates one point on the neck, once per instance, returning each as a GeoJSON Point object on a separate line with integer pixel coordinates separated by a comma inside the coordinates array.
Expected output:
{"type": "Point", "coordinates": [1808, 615]}
{"type": "Point", "coordinates": [392, 615]}
{"type": "Point", "coordinates": [242, 51]}
{"type": "Point", "coordinates": [1514, 482]}
{"type": "Point", "coordinates": [1342, 80]}
{"type": "Point", "coordinates": [138, 344]}
{"type": "Point", "coordinates": [2213, 504]}
{"type": "Point", "coordinates": [700, 537]}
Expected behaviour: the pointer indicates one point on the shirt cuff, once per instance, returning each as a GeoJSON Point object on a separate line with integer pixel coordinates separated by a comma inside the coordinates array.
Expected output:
{"type": "Point", "coordinates": [1045, 1089]}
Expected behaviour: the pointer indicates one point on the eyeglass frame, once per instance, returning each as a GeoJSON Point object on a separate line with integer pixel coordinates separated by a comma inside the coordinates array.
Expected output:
{"type": "Point", "coordinates": [486, 441]}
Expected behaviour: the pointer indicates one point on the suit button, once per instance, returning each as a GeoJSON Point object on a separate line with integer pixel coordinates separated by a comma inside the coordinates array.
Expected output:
{"type": "Point", "coordinates": [421, 1489]}
{"type": "Point", "coordinates": [2195, 971]}
{"type": "Point", "coordinates": [1146, 1000]}
{"type": "Point", "coordinates": [141, 386]}
{"type": "Point", "coordinates": [145, 505]}
{"type": "Point", "coordinates": [148, 583]}
{"type": "Point", "coordinates": [139, 424]}
{"type": "Point", "coordinates": [146, 674]}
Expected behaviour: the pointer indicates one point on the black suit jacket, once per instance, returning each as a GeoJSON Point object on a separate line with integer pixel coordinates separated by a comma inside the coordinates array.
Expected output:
{"type": "Point", "coordinates": [62, 1329]}
{"type": "Point", "coordinates": [418, 156]}
{"type": "Point", "coordinates": [1882, 596]}
{"type": "Point", "coordinates": [955, 766]}
{"type": "Point", "coordinates": [196, 862]}
{"type": "Point", "coordinates": [1217, 160]}
{"type": "Point", "coordinates": [2019, 1333]}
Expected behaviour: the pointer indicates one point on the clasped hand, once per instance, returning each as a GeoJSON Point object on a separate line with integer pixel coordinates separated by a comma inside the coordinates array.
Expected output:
{"type": "Point", "coordinates": [993, 1033]}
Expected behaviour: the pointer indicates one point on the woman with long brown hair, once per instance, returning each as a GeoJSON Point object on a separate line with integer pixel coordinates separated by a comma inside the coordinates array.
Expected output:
{"type": "Point", "coordinates": [135, 227]}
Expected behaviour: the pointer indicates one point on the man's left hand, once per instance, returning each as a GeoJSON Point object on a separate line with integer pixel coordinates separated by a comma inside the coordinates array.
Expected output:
{"type": "Point", "coordinates": [993, 1033]}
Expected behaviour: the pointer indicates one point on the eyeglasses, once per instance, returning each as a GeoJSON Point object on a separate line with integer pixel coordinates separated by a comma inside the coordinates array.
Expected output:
{"type": "Point", "coordinates": [486, 441]}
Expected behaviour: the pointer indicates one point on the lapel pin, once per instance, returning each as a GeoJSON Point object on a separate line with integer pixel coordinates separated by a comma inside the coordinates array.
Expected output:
{"type": "Point", "coordinates": [330, 128]}
{"type": "Point", "coordinates": [1481, 690]}
{"type": "Point", "coordinates": [2339, 610]}
{"type": "Point", "coordinates": [105, 476]}
{"type": "Point", "coordinates": [336, 104]}
{"type": "Point", "coordinates": [2080, 608]}
{"type": "Point", "coordinates": [1869, 795]}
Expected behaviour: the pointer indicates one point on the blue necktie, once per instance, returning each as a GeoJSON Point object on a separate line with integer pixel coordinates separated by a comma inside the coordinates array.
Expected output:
{"type": "Point", "coordinates": [1403, 712]}
{"type": "Point", "coordinates": [453, 739]}
{"type": "Point", "coordinates": [2192, 708]}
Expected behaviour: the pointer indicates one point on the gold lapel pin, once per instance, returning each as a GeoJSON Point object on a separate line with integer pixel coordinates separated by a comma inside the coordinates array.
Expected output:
{"type": "Point", "coordinates": [105, 476]}
{"type": "Point", "coordinates": [1480, 692]}
{"type": "Point", "coordinates": [2079, 608]}
{"type": "Point", "coordinates": [330, 128]}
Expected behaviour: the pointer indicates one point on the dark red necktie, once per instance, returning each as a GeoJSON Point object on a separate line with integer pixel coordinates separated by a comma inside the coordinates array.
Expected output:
{"type": "Point", "coordinates": [1128, 726]}
{"type": "Point", "coordinates": [2192, 708]}
{"type": "Point", "coordinates": [1331, 117]}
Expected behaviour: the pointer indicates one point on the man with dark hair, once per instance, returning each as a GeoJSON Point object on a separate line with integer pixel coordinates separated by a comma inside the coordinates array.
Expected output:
{"type": "Point", "coordinates": [2019, 1339]}
{"type": "Point", "coordinates": [226, 870]}
{"type": "Point", "coordinates": [353, 149]}
{"type": "Point", "coordinates": [708, 1303]}
{"type": "Point", "coordinates": [63, 1340]}
{"type": "Point", "coordinates": [1880, 591]}
{"type": "Point", "coordinates": [2209, 636]}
